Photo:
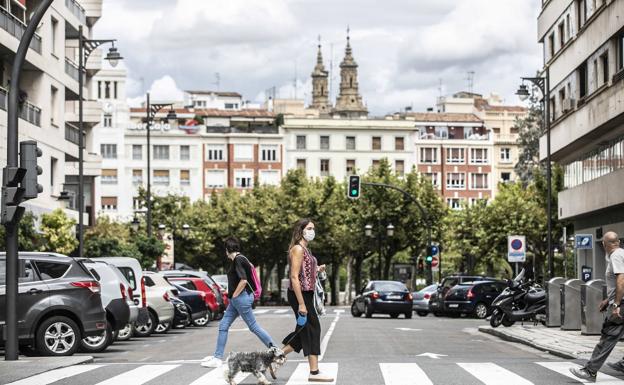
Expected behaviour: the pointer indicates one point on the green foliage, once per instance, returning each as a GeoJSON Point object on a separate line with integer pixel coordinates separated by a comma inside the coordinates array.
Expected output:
{"type": "Point", "coordinates": [58, 233]}
{"type": "Point", "coordinates": [149, 250]}
{"type": "Point", "coordinates": [109, 239]}
{"type": "Point", "coordinates": [29, 238]}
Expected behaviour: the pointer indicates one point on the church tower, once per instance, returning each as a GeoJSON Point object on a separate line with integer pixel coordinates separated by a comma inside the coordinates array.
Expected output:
{"type": "Point", "coordinates": [320, 91]}
{"type": "Point", "coordinates": [349, 102]}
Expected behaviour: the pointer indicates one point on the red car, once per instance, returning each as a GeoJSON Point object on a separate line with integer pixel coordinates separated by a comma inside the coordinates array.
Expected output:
{"type": "Point", "coordinates": [194, 283]}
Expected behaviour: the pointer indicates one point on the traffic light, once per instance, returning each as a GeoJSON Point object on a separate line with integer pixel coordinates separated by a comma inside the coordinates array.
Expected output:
{"type": "Point", "coordinates": [29, 152]}
{"type": "Point", "coordinates": [353, 191]}
{"type": "Point", "coordinates": [431, 252]}
{"type": "Point", "coordinates": [12, 194]}
{"type": "Point", "coordinates": [421, 266]}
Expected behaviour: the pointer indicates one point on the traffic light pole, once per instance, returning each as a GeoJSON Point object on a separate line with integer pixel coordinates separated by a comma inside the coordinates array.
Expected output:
{"type": "Point", "coordinates": [11, 337]}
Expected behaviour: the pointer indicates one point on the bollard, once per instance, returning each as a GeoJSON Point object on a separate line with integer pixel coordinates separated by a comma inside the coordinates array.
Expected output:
{"type": "Point", "coordinates": [571, 304]}
{"type": "Point", "coordinates": [592, 293]}
{"type": "Point", "coordinates": [553, 302]}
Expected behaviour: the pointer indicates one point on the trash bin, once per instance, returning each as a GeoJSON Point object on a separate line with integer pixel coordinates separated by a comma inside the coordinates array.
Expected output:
{"type": "Point", "coordinates": [553, 302]}
{"type": "Point", "coordinates": [592, 293]}
{"type": "Point", "coordinates": [571, 304]}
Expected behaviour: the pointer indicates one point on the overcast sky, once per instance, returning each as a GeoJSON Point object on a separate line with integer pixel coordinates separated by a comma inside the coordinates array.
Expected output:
{"type": "Point", "coordinates": [405, 49]}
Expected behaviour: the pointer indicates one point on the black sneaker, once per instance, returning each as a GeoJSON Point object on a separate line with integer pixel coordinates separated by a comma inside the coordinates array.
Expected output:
{"type": "Point", "coordinates": [583, 374]}
{"type": "Point", "coordinates": [617, 366]}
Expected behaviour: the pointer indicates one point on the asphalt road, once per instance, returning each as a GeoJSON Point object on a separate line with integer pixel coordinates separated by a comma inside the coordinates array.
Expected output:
{"type": "Point", "coordinates": [377, 351]}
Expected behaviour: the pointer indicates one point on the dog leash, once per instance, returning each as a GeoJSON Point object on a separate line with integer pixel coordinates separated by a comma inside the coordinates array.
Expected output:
{"type": "Point", "coordinates": [295, 335]}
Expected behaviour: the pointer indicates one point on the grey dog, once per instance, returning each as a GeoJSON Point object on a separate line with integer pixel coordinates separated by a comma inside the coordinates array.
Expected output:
{"type": "Point", "coordinates": [254, 362]}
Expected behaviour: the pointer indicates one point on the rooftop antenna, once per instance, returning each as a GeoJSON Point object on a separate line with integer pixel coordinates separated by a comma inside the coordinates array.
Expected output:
{"type": "Point", "coordinates": [470, 79]}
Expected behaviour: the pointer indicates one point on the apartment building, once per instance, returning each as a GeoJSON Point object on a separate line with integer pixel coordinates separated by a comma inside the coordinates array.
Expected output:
{"type": "Point", "coordinates": [49, 85]}
{"type": "Point", "coordinates": [583, 43]}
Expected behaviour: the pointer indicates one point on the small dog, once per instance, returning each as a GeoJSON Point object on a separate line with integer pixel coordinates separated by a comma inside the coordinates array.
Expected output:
{"type": "Point", "coordinates": [254, 362]}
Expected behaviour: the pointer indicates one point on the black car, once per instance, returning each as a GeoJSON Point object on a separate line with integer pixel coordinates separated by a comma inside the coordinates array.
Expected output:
{"type": "Point", "coordinates": [181, 315]}
{"type": "Point", "coordinates": [196, 304]}
{"type": "Point", "coordinates": [436, 302]}
{"type": "Point", "coordinates": [474, 298]}
{"type": "Point", "coordinates": [386, 297]}
{"type": "Point", "coordinates": [58, 304]}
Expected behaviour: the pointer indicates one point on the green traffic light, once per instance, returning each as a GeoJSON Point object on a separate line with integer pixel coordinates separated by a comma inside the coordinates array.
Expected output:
{"type": "Point", "coordinates": [353, 192]}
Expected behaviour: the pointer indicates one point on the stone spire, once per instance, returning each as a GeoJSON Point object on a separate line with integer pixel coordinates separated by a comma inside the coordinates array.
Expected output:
{"type": "Point", "coordinates": [349, 102]}
{"type": "Point", "coordinates": [320, 91]}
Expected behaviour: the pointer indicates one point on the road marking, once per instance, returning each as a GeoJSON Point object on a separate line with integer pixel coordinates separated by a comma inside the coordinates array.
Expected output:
{"type": "Point", "coordinates": [328, 336]}
{"type": "Point", "coordinates": [261, 311]}
{"type": "Point", "coordinates": [338, 311]}
{"type": "Point", "coordinates": [281, 311]}
{"type": "Point", "coordinates": [139, 375]}
{"type": "Point", "coordinates": [492, 374]}
{"type": "Point", "coordinates": [55, 375]}
{"type": "Point", "coordinates": [408, 329]}
{"type": "Point", "coordinates": [564, 369]}
{"type": "Point", "coordinates": [404, 374]}
{"type": "Point", "coordinates": [435, 356]}
{"type": "Point", "coordinates": [216, 377]}
{"type": "Point", "coordinates": [301, 373]}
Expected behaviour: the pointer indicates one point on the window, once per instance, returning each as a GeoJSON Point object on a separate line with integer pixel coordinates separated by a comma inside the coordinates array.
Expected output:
{"type": "Point", "coordinates": [185, 152]}
{"type": "Point", "coordinates": [137, 176]}
{"type": "Point", "coordinates": [505, 177]}
{"type": "Point", "coordinates": [595, 73]}
{"type": "Point", "coordinates": [137, 152]}
{"type": "Point", "coordinates": [505, 155]}
{"type": "Point", "coordinates": [214, 152]}
{"type": "Point", "coordinates": [109, 151]}
{"type": "Point", "coordinates": [301, 164]}
{"type": "Point", "coordinates": [301, 142]}
{"type": "Point", "coordinates": [54, 39]}
{"type": "Point", "coordinates": [479, 181]}
{"type": "Point", "coordinates": [269, 177]}
{"type": "Point", "coordinates": [231, 106]}
{"type": "Point", "coordinates": [199, 103]}
{"type": "Point", "coordinates": [53, 163]}
{"type": "Point", "coordinates": [350, 166]}
{"type": "Point", "coordinates": [454, 203]}
{"type": "Point", "coordinates": [604, 59]}
{"type": "Point", "coordinates": [620, 51]}
{"type": "Point", "coordinates": [324, 167]}
{"type": "Point", "coordinates": [129, 274]}
{"type": "Point", "coordinates": [581, 74]}
{"type": "Point", "coordinates": [108, 121]}
{"type": "Point", "coordinates": [376, 142]}
{"type": "Point", "coordinates": [137, 204]}
{"type": "Point", "coordinates": [551, 44]}
{"type": "Point", "coordinates": [553, 112]}
{"type": "Point", "coordinates": [161, 152]}
{"type": "Point", "coordinates": [581, 12]}
{"type": "Point", "coordinates": [54, 106]}
{"type": "Point", "coordinates": [350, 142]}
{"type": "Point", "coordinates": [399, 143]}
{"type": "Point", "coordinates": [324, 142]}
{"type": "Point", "coordinates": [115, 90]}
{"type": "Point", "coordinates": [107, 93]}
{"type": "Point", "coordinates": [269, 153]}
{"type": "Point", "coordinates": [455, 155]}
{"type": "Point", "coordinates": [161, 177]}
{"type": "Point", "coordinates": [185, 177]}
{"type": "Point", "coordinates": [243, 152]}
{"type": "Point", "coordinates": [455, 180]}
{"type": "Point", "coordinates": [568, 27]}
{"type": "Point", "coordinates": [243, 178]}
{"type": "Point", "coordinates": [428, 155]}
{"type": "Point", "coordinates": [561, 32]}
{"type": "Point", "coordinates": [399, 167]}
{"type": "Point", "coordinates": [215, 178]}
{"type": "Point", "coordinates": [478, 155]}
{"type": "Point", "coordinates": [433, 177]}
{"type": "Point", "coordinates": [375, 163]}
{"type": "Point", "coordinates": [109, 203]}
{"type": "Point", "coordinates": [99, 87]}
{"type": "Point", "coordinates": [109, 176]}
{"type": "Point", "coordinates": [51, 270]}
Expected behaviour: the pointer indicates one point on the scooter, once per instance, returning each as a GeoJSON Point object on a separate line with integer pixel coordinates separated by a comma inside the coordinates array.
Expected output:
{"type": "Point", "coordinates": [519, 302]}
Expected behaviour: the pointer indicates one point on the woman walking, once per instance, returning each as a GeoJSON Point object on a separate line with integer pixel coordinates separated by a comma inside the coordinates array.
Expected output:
{"type": "Point", "coordinates": [303, 274]}
{"type": "Point", "coordinates": [240, 291]}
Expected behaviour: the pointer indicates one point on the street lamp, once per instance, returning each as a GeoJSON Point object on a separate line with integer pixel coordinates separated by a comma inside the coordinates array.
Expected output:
{"type": "Point", "coordinates": [542, 83]}
{"type": "Point", "coordinates": [161, 230]}
{"type": "Point", "coordinates": [390, 230]}
{"type": "Point", "coordinates": [368, 230]}
{"type": "Point", "coordinates": [135, 224]}
{"type": "Point", "coordinates": [186, 229]}
{"type": "Point", "coordinates": [85, 48]}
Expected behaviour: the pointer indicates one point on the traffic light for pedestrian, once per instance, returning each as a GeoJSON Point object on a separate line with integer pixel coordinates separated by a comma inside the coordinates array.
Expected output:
{"type": "Point", "coordinates": [12, 194]}
{"type": "Point", "coordinates": [29, 152]}
{"type": "Point", "coordinates": [421, 266]}
{"type": "Point", "coordinates": [353, 191]}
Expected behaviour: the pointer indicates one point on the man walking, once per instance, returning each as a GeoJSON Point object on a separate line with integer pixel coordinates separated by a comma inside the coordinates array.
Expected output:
{"type": "Point", "coordinates": [613, 326]}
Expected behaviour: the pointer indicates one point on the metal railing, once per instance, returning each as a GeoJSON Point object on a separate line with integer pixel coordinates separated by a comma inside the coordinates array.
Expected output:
{"type": "Point", "coordinates": [28, 111]}
{"type": "Point", "coordinates": [16, 27]}
{"type": "Point", "coordinates": [71, 69]}
{"type": "Point", "coordinates": [72, 134]}
{"type": "Point", "coordinates": [77, 10]}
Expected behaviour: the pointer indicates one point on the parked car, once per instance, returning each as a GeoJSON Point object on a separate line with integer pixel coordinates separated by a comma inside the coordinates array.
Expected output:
{"type": "Point", "coordinates": [386, 297]}
{"type": "Point", "coordinates": [59, 303]}
{"type": "Point", "coordinates": [436, 302]}
{"type": "Point", "coordinates": [222, 280]}
{"type": "Point", "coordinates": [125, 333]}
{"type": "Point", "coordinates": [159, 306]}
{"type": "Point", "coordinates": [420, 302]}
{"type": "Point", "coordinates": [195, 283]}
{"type": "Point", "coordinates": [473, 298]}
{"type": "Point", "coordinates": [114, 299]}
{"type": "Point", "coordinates": [219, 292]}
{"type": "Point", "coordinates": [181, 317]}
{"type": "Point", "coordinates": [196, 303]}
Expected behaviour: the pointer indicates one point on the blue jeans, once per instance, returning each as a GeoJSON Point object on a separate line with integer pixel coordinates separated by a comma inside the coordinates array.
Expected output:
{"type": "Point", "coordinates": [240, 305]}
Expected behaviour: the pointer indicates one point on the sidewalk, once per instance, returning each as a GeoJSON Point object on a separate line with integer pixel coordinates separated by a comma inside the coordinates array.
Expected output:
{"type": "Point", "coordinates": [562, 343]}
{"type": "Point", "coordinates": [29, 366]}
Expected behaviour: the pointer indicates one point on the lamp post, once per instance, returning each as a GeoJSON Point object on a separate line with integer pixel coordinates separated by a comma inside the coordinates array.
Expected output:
{"type": "Point", "coordinates": [542, 83]}
{"type": "Point", "coordinates": [85, 49]}
{"type": "Point", "coordinates": [368, 231]}
{"type": "Point", "coordinates": [152, 110]}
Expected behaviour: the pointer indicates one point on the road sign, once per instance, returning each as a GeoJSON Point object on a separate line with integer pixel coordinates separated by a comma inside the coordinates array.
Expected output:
{"type": "Point", "coordinates": [586, 273]}
{"type": "Point", "coordinates": [584, 241]}
{"type": "Point", "coordinates": [435, 263]}
{"type": "Point", "coordinates": [516, 248]}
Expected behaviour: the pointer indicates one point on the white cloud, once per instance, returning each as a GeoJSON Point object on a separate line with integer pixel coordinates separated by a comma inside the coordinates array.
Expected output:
{"type": "Point", "coordinates": [164, 89]}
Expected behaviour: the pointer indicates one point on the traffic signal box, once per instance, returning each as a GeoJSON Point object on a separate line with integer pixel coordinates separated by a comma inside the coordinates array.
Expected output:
{"type": "Point", "coordinates": [353, 191]}
{"type": "Point", "coordinates": [431, 252]}
{"type": "Point", "coordinates": [20, 183]}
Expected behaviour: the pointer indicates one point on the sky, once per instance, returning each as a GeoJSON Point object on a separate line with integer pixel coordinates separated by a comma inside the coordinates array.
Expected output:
{"type": "Point", "coordinates": [409, 52]}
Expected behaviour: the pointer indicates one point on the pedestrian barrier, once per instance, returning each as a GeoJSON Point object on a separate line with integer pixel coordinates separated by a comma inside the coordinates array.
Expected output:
{"type": "Point", "coordinates": [553, 302]}
{"type": "Point", "coordinates": [571, 304]}
{"type": "Point", "coordinates": [592, 293]}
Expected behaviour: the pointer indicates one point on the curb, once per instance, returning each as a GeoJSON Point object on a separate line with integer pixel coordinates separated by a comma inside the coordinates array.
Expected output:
{"type": "Point", "coordinates": [509, 337]}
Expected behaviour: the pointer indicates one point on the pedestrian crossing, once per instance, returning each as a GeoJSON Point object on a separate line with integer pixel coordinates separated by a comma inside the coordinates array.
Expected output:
{"type": "Point", "coordinates": [289, 312]}
{"type": "Point", "coordinates": [293, 373]}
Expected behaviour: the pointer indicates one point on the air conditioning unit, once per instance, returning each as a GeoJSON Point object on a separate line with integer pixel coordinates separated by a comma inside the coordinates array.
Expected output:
{"type": "Point", "coordinates": [569, 104]}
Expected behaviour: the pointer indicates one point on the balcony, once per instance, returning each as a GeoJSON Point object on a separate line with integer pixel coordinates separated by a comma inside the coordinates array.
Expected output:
{"type": "Point", "coordinates": [72, 134]}
{"type": "Point", "coordinates": [16, 28]}
{"type": "Point", "coordinates": [28, 112]}
{"type": "Point", "coordinates": [76, 10]}
{"type": "Point", "coordinates": [71, 69]}
{"type": "Point", "coordinates": [454, 133]}
{"type": "Point", "coordinates": [93, 10]}
{"type": "Point", "coordinates": [91, 112]}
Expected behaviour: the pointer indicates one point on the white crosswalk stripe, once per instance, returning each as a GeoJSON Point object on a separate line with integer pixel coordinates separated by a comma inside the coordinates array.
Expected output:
{"type": "Point", "coordinates": [55, 375]}
{"type": "Point", "coordinates": [301, 373]}
{"type": "Point", "coordinates": [404, 374]}
{"type": "Point", "coordinates": [492, 374]}
{"type": "Point", "coordinates": [261, 311]}
{"type": "Point", "coordinates": [215, 377]}
{"type": "Point", "coordinates": [139, 375]}
{"type": "Point", "coordinates": [564, 369]}
{"type": "Point", "coordinates": [281, 311]}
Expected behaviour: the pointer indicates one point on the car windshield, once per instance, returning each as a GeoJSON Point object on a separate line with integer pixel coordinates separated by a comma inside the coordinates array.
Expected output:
{"type": "Point", "coordinates": [390, 286]}
{"type": "Point", "coordinates": [430, 288]}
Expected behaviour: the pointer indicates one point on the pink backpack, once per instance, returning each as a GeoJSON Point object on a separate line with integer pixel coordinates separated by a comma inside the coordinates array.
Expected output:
{"type": "Point", "coordinates": [256, 281]}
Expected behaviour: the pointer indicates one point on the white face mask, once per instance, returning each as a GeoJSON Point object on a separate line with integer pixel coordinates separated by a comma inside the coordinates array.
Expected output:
{"type": "Point", "coordinates": [308, 235]}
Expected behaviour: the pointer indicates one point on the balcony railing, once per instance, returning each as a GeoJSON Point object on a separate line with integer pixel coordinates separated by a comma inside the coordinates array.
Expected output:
{"type": "Point", "coordinates": [15, 27]}
{"type": "Point", "coordinates": [77, 10]}
{"type": "Point", "coordinates": [71, 69]}
{"type": "Point", "coordinates": [72, 134]}
{"type": "Point", "coordinates": [28, 111]}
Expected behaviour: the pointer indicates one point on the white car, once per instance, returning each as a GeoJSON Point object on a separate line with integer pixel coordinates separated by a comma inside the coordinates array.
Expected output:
{"type": "Point", "coordinates": [161, 310]}
{"type": "Point", "coordinates": [222, 280]}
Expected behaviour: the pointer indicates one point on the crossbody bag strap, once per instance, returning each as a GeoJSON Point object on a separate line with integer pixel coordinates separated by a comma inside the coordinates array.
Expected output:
{"type": "Point", "coordinates": [250, 267]}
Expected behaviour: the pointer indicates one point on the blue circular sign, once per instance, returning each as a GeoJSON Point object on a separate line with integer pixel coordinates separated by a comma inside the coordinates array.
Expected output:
{"type": "Point", "coordinates": [516, 244]}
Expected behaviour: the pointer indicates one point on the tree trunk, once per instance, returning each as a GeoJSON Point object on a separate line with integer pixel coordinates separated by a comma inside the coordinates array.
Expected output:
{"type": "Point", "coordinates": [358, 273]}
{"type": "Point", "coordinates": [347, 300]}
{"type": "Point", "coordinates": [280, 276]}
{"type": "Point", "coordinates": [334, 279]}
{"type": "Point", "coordinates": [387, 266]}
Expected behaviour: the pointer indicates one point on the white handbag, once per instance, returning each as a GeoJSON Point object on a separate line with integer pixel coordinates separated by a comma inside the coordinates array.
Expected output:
{"type": "Point", "coordinates": [319, 294]}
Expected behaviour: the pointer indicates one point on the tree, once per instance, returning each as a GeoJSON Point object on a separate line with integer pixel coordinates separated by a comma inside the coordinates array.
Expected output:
{"type": "Point", "coordinates": [530, 129]}
{"type": "Point", "coordinates": [29, 238]}
{"type": "Point", "coordinates": [58, 232]}
{"type": "Point", "coordinates": [150, 248]}
{"type": "Point", "coordinates": [109, 239]}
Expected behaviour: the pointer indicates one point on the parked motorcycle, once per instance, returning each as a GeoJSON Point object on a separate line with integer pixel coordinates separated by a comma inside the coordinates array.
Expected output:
{"type": "Point", "coordinates": [519, 302]}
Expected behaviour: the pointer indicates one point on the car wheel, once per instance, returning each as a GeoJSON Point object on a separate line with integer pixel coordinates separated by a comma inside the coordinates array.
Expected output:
{"type": "Point", "coordinates": [481, 310]}
{"type": "Point", "coordinates": [422, 313]}
{"type": "Point", "coordinates": [163, 327]}
{"type": "Point", "coordinates": [124, 334]}
{"type": "Point", "coordinates": [355, 312]}
{"type": "Point", "coordinates": [394, 315]}
{"type": "Point", "coordinates": [203, 321]}
{"type": "Point", "coordinates": [408, 315]}
{"type": "Point", "coordinates": [146, 329]}
{"type": "Point", "coordinates": [497, 318]}
{"type": "Point", "coordinates": [57, 336]}
{"type": "Point", "coordinates": [99, 343]}
{"type": "Point", "coordinates": [369, 311]}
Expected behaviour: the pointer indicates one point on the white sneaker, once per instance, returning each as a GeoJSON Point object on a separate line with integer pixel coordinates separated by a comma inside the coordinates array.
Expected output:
{"type": "Point", "coordinates": [213, 362]}
{"type": "Point", "coordinates": [319, 378]}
